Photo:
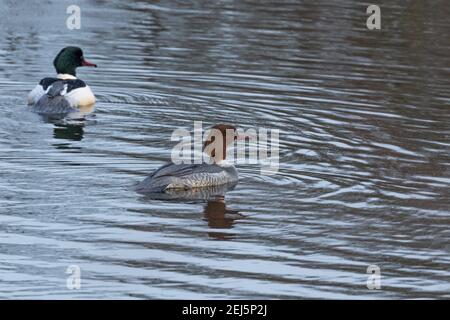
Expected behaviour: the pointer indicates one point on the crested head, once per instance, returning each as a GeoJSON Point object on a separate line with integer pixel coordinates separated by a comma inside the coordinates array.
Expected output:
{"type": "Point", "coordinates": [219, 138]}
{"type": "Point", "coordinates": [68, 59]}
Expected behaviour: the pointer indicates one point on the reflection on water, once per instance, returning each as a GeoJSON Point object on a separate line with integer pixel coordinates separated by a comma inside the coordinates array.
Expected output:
{"type": "Point", "coordinates": [219, 216]}
{"type": "Point", "coordinates": [364, 171]}
{"type": "Point", "coordinates": [215, 211]}
{"type": "Point", "coordinates": [69, 131]}
{"type": "Point", "coordinates": [69, 126]}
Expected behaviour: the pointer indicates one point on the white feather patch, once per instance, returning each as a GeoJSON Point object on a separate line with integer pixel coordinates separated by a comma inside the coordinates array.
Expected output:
{"type": "Point", "coordinates": [80, 97]}
{"type": "Point", "coordinates": [35, 94]}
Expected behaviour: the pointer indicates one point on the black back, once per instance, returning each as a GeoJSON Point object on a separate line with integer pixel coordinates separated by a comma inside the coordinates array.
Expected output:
{"type": "Point", "coordinates": [72, 84]}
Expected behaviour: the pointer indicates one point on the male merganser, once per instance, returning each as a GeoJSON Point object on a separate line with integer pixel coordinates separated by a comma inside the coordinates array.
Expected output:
{"type": "Point", "coordinates": [189, 176]}
{"type": "Point", "coordinates": [66, 92]}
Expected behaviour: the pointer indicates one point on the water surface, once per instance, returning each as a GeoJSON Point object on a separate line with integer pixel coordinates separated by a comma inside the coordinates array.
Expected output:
{"type": "Point", "coordinates": [364, 153]}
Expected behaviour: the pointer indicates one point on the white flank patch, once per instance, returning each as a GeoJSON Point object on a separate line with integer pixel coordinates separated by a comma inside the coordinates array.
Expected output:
{"type": "Point", "coordinates": [35, 94]}
{"type": "Point", "coordinates": [80, 97]}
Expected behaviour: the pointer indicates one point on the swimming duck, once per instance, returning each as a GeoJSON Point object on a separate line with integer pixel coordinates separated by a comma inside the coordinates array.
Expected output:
{"type": "Point", "coordinates": [65, 92]}
{"type": "Point", "coordinates": [189, 176]}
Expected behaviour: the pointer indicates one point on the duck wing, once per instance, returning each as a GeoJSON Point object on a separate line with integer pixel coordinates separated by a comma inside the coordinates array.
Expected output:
{"type": "Point", "coordinates": [177, 174]}
{"type": "Point", "coordinates": [181, 170]}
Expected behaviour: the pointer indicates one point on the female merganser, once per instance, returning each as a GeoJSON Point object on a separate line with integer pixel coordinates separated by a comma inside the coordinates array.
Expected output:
{"type": "Point", "coordinates": [192, 195]}
{"type": "Point", "coordinates": [64, 93]}
{"type": "Point", "coordinates": [189, 176]}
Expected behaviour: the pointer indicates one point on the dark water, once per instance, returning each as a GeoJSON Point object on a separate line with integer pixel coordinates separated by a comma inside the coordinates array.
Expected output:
{"type": "Point", "coordinates": [364, 153]}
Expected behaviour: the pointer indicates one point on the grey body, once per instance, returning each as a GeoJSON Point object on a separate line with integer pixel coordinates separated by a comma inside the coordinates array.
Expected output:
{"type": "Point", "coordinates": [54, 100]}
{"type": "Point", "coordinates": [53, 105]}
{"type": "Point", "coordinates": [191, 195]}
{"type": "Point", "coordinates": [188, 176]}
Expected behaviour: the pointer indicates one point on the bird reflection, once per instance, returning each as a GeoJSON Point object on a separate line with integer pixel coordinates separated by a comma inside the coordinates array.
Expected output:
{"type": "Point", "coordinates": [215, 212]}
{"type": "Point", "coordinates": [219, 217]}
{"type": "Point", "coordinates": [68, 131]}
{"type": "Point", "coordinates": [68, 126]}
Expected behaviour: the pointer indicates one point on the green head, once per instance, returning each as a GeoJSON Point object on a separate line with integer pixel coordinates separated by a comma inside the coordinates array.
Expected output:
{"type": "Point", "coordinates": [70, 58]}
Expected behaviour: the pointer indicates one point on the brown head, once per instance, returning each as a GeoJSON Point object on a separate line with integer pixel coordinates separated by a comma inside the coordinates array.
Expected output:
{"type": "Point", "coordinates": [219, 138]}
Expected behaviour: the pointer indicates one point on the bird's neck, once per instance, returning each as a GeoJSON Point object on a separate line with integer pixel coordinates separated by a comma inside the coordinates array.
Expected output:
{"type": "Point", "coordinates": [65, 76]}
{"type": "Point", "coordinates": [224, 163]}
